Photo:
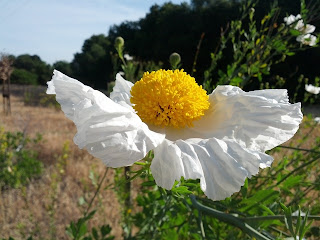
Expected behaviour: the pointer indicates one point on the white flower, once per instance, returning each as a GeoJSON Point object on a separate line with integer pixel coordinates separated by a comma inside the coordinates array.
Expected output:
{"type": "Point", "coordinates": [222, 148]}
{"type": "Point", "coordinates": [317, 119]}
{"type": "Point", "coordinates": [304, 28]}
{"type": "Point", "coordinates": [291, 19]}
{"type": "Point", "coordinates": [127, 57]}
{"type": "Point", "coordinates": [312, 89]}
{"type": "Point", "coordinates": [299, 24]}
{"type": "Point", "coordinates": [307, 39]}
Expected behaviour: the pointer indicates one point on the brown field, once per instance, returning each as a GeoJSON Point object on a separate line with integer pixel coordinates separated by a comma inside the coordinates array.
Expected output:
{"type": "Point", "coordinates": [47, 205]}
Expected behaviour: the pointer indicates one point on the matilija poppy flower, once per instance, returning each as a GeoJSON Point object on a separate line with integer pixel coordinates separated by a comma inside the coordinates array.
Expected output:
{"type": "Point", "coordinates": [219, 138]}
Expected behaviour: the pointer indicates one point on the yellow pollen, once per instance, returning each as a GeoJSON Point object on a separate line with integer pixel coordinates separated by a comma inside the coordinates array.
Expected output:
{"type": "Point", "coordinates": [169, 98]}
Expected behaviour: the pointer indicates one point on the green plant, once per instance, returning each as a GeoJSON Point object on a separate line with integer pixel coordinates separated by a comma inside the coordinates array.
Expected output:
{"type": "Point", "coordinates": [257, 46]}
{"type": "Point", "coordinates": [18, 163]}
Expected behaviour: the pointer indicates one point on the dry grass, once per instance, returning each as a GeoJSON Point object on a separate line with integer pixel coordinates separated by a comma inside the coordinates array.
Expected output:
{"type": "Point", "coordinates": [47, 205]}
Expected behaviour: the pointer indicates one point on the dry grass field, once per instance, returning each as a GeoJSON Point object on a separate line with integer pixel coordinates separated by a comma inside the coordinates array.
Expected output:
{"type": "Point", "coordinates": [48, 204]}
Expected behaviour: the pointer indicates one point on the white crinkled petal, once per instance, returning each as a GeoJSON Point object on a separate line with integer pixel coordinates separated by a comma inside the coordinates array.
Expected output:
{"type": "Point", "coordinates": [170, 163]}
{"type": "Point", "coordinates": [221, 165]}
{"type": "Point", "coordinates": [258, 120]}
{"type": "Point", "coordinates": [107, 130]}
{"type": "Point", "coordinates": [121, 92]}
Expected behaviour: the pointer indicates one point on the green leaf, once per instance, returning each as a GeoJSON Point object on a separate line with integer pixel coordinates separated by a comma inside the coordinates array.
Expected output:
{"type": "Point", "coordinates": [288, 218]}
{"type": "Point", "coordinates": [181, 190]}
{"type": "Point", "coordinates": [89, 216]}
{"type": "Point", "coordinates": [268, 210]}
{"type": "Point", "coordinates": [236, 81]}
{"type": "Point", "coordinates": [290, 53]}
{"type": "Point", "coordinates": [244, 189]}
{"type": "Point", "coordinates": [292, 181]}
{"type": "Point", "coordinates": [105, 230]}
{"type": "Point", "coordinates": [82, 230]}
{"type": "Point", "coordinates": [95, 233]}
{"type": "Point", "coordinates": [148, 183]}
{"type": "Point", "coordinates": [259, 196]}
{"type": "Point", "coordinates": [295, 32]}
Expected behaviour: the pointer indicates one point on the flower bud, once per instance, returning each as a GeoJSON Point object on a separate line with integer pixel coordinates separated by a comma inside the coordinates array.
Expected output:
{"type": "Point", "coordinates": [119, 42]}
{"type": "Point", "coordinates": [174, 59]}
{"type": "Point", "coordinates": [251, 13]}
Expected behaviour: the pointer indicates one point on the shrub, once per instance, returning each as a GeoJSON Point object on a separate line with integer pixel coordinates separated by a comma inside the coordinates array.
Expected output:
{"type": "Point", "coordinates": [18, 164]}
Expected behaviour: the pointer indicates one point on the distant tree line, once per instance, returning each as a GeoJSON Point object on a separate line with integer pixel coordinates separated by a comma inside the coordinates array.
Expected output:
{"type": "Point", "coordinates": [166, 29]}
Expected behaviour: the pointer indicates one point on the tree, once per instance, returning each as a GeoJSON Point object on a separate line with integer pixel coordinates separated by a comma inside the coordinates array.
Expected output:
{"type": "Point", "coordinates": [93, 65]}
{"type": "Point", "coordinates": [22, 76]}
{"type": "Point", "coordinates": [34, 65]}
{"type": "Point", "coordinates": [64, 67]}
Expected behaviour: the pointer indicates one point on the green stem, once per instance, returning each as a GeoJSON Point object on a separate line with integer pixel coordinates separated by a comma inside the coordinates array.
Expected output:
{"type": "Point", "coordinates": [227, 218]}
{"type": "Point", "coordinates": [300, 149]}
{"type": "Point", "coordinates": [276, 217]}
{"type": "Point", "coordinates": [96, 193]}
{"type": "Point", "coordinates": [283, 179]}
{"type": "Point", "coordinates": [297, 169]}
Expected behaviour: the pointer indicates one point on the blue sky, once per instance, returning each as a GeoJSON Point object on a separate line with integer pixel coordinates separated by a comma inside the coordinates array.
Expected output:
{"type": "Point", "coordinates": [55, 30]}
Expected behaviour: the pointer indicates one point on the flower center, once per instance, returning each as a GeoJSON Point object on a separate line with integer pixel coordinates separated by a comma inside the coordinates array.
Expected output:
{"type": "Point", "coordinates": [169, 98]}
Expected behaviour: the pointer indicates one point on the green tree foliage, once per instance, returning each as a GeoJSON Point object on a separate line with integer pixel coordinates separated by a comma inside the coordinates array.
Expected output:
{"type": "Point", "coordinates": [64, 67]}
{"type": "Point", "coordinates": [34, 66]}
{"type": "Point", "coordinates": [22, 76]}
{"type": "Point", "coordinates": [93, 65]}
{"type": "Point", "coordinates": [177, 28]}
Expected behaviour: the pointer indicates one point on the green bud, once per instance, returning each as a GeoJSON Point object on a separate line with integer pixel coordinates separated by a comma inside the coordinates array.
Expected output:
{"type": "Point", "coordinates": [174, 59]}
{"type": "Point", "coordinates": [251, 13]}
{"type": "Point", "coordinates": [119, 42]}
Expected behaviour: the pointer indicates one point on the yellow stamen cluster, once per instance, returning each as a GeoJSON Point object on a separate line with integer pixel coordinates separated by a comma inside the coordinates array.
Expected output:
{"type": "Point", "coordinates": [169, 98]}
